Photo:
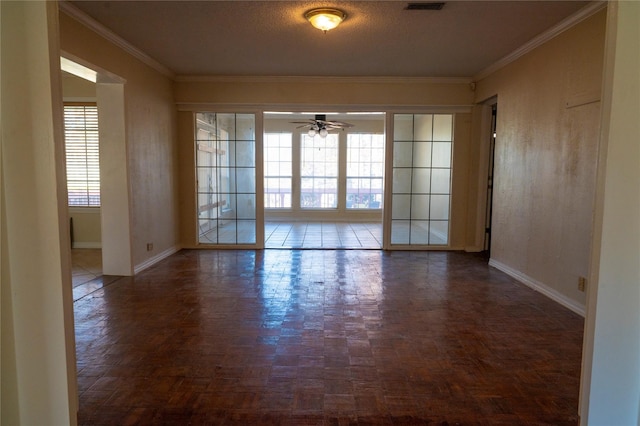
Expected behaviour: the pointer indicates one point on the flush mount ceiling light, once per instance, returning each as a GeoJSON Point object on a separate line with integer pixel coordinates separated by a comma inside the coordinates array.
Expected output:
{"type": "Point", "coordinates": [325, 19]}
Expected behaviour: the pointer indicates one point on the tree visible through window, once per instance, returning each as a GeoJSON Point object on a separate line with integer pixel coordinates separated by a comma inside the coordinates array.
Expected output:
{"type": "Point", "coordinates": [82, 154]}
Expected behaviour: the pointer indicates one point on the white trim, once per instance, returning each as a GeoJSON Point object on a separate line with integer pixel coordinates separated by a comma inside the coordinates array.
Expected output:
{"type": "Point", "coordinates": [87, 245]}
{"type": "Point", "coordinates": [540, 287]}
{"type": "Point", "coordinates": [155, 259]}
{"type": "Point", "coordinates": [584, 13]}
{"type": "Point", "coordinates": [109, 35]}
{"type": "Point", "coordinates": [320, 79]}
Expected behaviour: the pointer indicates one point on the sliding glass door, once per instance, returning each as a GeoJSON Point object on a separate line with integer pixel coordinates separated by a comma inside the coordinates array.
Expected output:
{"type": "Point", "coordinates": [338, 177]}
{"type": "Point", "coordinates": [421, 187]}
{"type": "Point", "coordinates": [226, 178]}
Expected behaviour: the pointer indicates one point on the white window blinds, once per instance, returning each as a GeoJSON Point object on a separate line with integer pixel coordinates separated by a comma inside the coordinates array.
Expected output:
{"type": "Point", "coordinates": [82, 152]}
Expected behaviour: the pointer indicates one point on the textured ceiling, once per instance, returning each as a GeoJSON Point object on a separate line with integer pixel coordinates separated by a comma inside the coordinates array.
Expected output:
{"type": "Point", "coordinates": [378, 38]}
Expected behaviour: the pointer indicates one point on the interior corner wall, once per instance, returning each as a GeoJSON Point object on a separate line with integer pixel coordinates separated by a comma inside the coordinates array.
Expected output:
{"type": "Point", "coordinates": [151, 141]}
{"type": "Point", "coordinates": [545, 158]}
{"type": "Point", "coordinates": [461, 182]}
{"type": "Point", "coordinates": [478, 173]}
{"type": "Point", "coordinates": [38, 348]}
{"type": "Point", "coordinates": [611, 360]}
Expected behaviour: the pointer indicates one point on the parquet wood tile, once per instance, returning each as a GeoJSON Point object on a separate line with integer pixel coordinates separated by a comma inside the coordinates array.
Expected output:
{"type": "Point", "coordinates": [314, 337]}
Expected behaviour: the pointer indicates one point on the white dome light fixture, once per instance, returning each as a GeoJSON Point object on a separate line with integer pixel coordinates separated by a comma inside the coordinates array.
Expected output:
{"type": "Point", "coordinates": [325, 19]}
{"type": "Point", "coordinates": [318, 130]}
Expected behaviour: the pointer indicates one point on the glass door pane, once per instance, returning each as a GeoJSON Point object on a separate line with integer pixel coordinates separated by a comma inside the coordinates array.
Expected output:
{"type": "Point", "coordinates": [421, 187]}
{"type": "Point", "coordinates": [226, 174]}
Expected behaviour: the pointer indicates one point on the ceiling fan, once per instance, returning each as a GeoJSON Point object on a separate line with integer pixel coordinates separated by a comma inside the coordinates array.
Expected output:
{"type": "Point", "coordinates": [321, 126]}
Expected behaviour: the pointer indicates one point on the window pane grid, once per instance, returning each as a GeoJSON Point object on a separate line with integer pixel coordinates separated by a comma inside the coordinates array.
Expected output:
{"type": "Point", "coordinates": [319, 172]}
{"type": "Point", "coordinates": [421, 192]}
{"type": "Point", "coordinates": [277, 170]}
{"type": "Point", "coordinates": [365, 165]}
{"type": "Point", "coordinates": [225, 169]}
{"type": "Point", "coordinates": [82, 155]}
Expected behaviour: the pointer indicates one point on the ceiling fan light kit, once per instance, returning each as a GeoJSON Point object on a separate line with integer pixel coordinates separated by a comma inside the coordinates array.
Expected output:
{"type": "Point", "coordinates": [321, 132]}
{"type": "Point", "coordinates": [325, 19]}
{"type": "Point", "coordinates": [321, 126]}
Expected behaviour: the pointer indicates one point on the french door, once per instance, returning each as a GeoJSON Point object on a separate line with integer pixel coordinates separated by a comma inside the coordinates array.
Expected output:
{"type": "Point", "coordinates": [421, 180]}
{"type": "Point", "coordinates": [231, 194]}
{"type": "Point", "coordinates": [226, 178]}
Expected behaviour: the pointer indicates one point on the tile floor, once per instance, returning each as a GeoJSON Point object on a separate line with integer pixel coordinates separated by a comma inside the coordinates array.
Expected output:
{"type": "Point", "coordinates": [323, 235]}
{"type": "Point", "coordinates": [313, 337]}
{"type": "Point", "coordinates": [317, 235]}
{"type": "Point", "coordinates": [86, 265]}
{"type": "Point", "coordinates": [86, 271]}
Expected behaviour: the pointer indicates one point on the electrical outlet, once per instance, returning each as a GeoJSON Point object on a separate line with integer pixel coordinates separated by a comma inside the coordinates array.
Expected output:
{"type": "Point", "coordinates": [582, 283]}
{"type": "Point", "coordinates": [149, 246]}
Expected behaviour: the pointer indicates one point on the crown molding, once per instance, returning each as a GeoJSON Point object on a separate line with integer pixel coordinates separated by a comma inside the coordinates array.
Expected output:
{"type": "Point", "coordinates": [109, 35]}
{"type": "Point", "coordinates": [537, 41]}
{"type": "Point", "coordinates": [320, 79]}
{"type": "Point", "coordinates": [584, 13]}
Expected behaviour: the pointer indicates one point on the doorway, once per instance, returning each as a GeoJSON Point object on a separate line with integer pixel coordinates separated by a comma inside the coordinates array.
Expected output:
{"type": "Point", "coordinates": [115, 232]}
{"type": "Point", "coordinates": [323, 179]}
{"type": "Point", "coordinates": [489, 202]}
{"type": "Point", "coordinates": [281, 178]}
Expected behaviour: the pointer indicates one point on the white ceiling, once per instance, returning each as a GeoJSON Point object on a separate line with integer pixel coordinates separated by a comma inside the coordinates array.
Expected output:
{"type": "Point", "coordinates": [378, 38]}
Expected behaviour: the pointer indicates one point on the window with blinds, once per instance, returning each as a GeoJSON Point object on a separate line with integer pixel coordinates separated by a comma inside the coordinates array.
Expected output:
{"type": "Point", "coordinates": [82, 152]}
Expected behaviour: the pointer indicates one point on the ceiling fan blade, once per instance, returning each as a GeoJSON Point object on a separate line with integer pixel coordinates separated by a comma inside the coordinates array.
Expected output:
{"type": "Point", "coordinates": [321, 123]}
{"type": "Point", "coordinates": [338, 124]}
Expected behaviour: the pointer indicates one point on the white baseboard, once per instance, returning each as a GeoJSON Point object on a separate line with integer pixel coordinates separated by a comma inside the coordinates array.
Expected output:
{"type": "Point", "coordinates": [540, 287]}
{"type": "Point", "coordinates": [87, 245]}
{"type": "Point", "coordinates": [155, 259]}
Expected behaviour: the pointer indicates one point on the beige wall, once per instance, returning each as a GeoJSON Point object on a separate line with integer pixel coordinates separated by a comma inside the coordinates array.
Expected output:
{"type": "Point", "coordinates": [85, 227]}
{"type": "Point", "coordinates": [38, 347]}
{"type": "Point", "coordinates": [335, 91]}
{"type": "Point", "coordinates": [77, 89]}
{"type": "Point", "coordinates": [545, 160]}
{"type": "Point", "coordinates": [341, 94]}
{"type": "Point", "coordinates": [150, 135]}
{"type": "Point", "coordinates": [610, 392]}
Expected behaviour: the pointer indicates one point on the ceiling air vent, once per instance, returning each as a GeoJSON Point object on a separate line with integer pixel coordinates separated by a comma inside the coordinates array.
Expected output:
{"type": "Point", "coordinates": [425, 6]}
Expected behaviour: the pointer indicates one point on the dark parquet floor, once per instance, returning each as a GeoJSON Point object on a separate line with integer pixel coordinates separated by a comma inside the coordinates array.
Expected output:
{"type": "Point", "coordinates": [335, 337]}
